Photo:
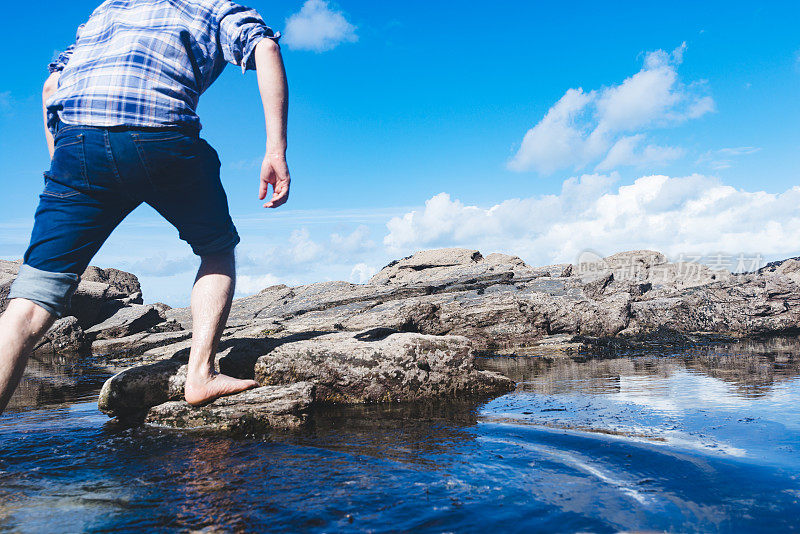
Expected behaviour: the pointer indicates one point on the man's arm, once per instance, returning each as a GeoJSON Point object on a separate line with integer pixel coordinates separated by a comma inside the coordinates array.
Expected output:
{"type": "Point", "coordinates": [50, 86]}
{"type": "Point", "coordinates": [275, 98]}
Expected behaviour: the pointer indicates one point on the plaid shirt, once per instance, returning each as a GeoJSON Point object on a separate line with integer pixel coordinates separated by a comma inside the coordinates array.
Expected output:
{"type": "Point", "coordinates": [146, 62]}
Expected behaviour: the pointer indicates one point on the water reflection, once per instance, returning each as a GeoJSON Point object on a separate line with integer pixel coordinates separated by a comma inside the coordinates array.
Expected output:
{"type": "Point", "coordinates": [720, 399]}
{"type": "Point", "coordinates": [752, 367]}
{"type": "Point", "coordinates": [52, 379]}
{"type": "Point", "coordinates": [698, 439]}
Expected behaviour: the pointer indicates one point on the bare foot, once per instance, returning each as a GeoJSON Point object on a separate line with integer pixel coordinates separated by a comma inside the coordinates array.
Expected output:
{"type": "Point", "coordinates": [204, 390]}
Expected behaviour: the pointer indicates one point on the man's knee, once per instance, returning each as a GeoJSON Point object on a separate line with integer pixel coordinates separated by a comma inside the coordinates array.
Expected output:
{"type": "Point", "coordinates": [29, 311]}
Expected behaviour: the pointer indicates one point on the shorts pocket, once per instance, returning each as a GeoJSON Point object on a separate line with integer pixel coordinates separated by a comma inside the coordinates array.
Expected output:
{"type": "Point", "coordinates": [172, 161]}
{"type": "Point", "coordinates": [57, 189]}
{"type": "Point", "coordinates": [68, 165]}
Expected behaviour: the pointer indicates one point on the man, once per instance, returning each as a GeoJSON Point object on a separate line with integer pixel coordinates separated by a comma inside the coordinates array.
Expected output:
{"type": "Point", "coordinates": [121, 127]}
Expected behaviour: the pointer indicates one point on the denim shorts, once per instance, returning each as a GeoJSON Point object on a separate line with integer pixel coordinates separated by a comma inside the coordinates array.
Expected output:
{"type": "Point", "coordinates": [97, 177]}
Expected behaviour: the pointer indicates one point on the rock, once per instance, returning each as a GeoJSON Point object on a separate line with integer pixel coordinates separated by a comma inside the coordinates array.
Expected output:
{"type": "Point", "coordinates": [559, 270]}
{"type": "Point", "coordinates": [264, 407]}
{"type": "Point", "coordinates": [376, 365]}
{"type": "Point", "coordinates": [8, 272]}
{"type": "Point", "coordinates": [500, 303]}
{"type": "Point", "coordinates": [97, 287]}
{"type": "Point", "coordinates": [162, 308]}
{"type": "Point", "coordinates": [101, 292]}
{"type": "Point", "coordinates": [630, 265]}
{"type": "Point", "coordinates": [411, 332]}
{"type": "Point", "coordinates": [122, 285]}
{"type": "Point", "coordinates": [136, 345]}
{"type": "Point", "coordinates": [379, 366]}
{"type": "Point", "coordinates": [133, 391]}
{"type": "Point", "coordinates": [453, 266]}
{"type": "Point", "coordinates": [65, 337]}
{"type": "Point", "coordinates": [126, 321]}
{"type": "Point", "coordinates": [790, 268]}
{"type": "Point", "coordinates": [397, 271]}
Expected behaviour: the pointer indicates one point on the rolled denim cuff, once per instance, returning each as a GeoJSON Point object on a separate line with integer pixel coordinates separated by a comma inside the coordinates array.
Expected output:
{"type": "Point", "coordinates": [220, 245]}
{"type": "Point", "coordinates": [51, 291]}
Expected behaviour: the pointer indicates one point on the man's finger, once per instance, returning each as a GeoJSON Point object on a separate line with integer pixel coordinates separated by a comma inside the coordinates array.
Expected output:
{"type": "Point", "coordinates": [262, 189]}
{"type": "Point", "coordinates": [280, 195]}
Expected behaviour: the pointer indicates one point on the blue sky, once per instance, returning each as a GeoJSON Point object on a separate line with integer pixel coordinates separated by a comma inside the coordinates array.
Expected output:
{"type": "Point", "coordinates": [532, 128]}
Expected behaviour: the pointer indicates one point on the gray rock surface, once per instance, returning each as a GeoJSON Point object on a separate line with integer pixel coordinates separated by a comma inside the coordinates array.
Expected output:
{"type": "Point", "coordinates": [65, 337]}
{"type": "Point", "coordinates": [380, 366]}
{"type": "Point", "coordinates": [500, 303]}
{"type": "Point", "coordinates": [283, 407]}
{"type": "Point", "coordinates": [410, 332]}
{"type": "Point", "coordinates": [373, 366]}
{"type": "Point", "coordinates": [122, 285]}
{"type": "Point", "coordinates": [126, 321]}
{"type": "Point", "coordinates": [8, 272]}
{"type": "Point", "coordinates": [106, 304]}
{"type": "Point", "coordinates": [132, 346]}
{"type": "Point", "coordinates": [135, 390]}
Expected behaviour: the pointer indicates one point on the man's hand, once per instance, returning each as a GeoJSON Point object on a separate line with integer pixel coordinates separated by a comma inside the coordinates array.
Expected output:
{"type": "Point", "coordinates": [274, 171]}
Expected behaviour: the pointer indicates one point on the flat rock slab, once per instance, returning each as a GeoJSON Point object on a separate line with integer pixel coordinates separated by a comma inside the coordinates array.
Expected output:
{"type": "Point", "coordinates": [380, 366]}
{"type": "Point", "coordinates": [264, 407]}
{"type": "Point", "coordinates": [136, 344]}
{"type": "Point", "coordinates": [125, 322]}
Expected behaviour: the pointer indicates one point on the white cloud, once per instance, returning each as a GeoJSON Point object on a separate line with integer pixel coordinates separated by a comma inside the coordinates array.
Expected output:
{"type": "Point", "coordinates": [357, 240]}
{"type": "Point", "coordinates": [627, 151]}
{"type": "Point", "coordinates": [302, 248]}
{"type": "Point", "coordinates": [362, 272]}
{"type": "Point", "coordinates": [161, 265]}
{"type": "Point", "coordinates": [249, 284]}
{"type": "Point", "coordinates": [310, 254]}
{"type": "Point", "coordinates": [724, 157]}
{"type": "Point", "coordinates": [557, 139]}
{"type": "Point", "coordinates": [583, 128]}
{"type": "Point", "coordinates": [693, 214]}
{"type": "Point", "coordinates": [317, 27]}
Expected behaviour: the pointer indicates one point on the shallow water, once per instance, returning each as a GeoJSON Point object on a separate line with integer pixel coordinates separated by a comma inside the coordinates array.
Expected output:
{"type": "Point", "coordinates": [700, 439]}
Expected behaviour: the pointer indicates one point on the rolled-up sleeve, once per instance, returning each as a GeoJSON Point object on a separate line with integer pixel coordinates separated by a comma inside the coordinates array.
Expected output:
{"type": "Point", "coordinates": [63, 58]}
{"type": "Point", "coordinates": [240, 29]}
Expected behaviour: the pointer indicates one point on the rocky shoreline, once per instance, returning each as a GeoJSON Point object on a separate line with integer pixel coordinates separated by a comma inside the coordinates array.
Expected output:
{"type": "Point", "coordinates": [411, 333]}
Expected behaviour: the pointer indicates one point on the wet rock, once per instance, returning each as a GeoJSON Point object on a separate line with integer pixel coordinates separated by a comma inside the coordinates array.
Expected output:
{"type": "Point", "coordinates": [264, 407]}
{"type": "Point", "coordinates": [126, 321]}
{"type": "Point", "coordinates": [374, 366]}
{"type": "Point", "coordinates": [369, 367]}
{"type": "Point", "coordinates": [65, 337]}
{"type": "Point", "coordinates": [411, 332]}
{"type": "Point", "coordinates": [132, 391]}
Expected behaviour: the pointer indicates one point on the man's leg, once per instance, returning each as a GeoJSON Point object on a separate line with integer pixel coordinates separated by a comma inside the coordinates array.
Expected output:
{"type": "Point", "coordinates": [211, 302]}
{"type": "Point", "coordinates": [21, 326]}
